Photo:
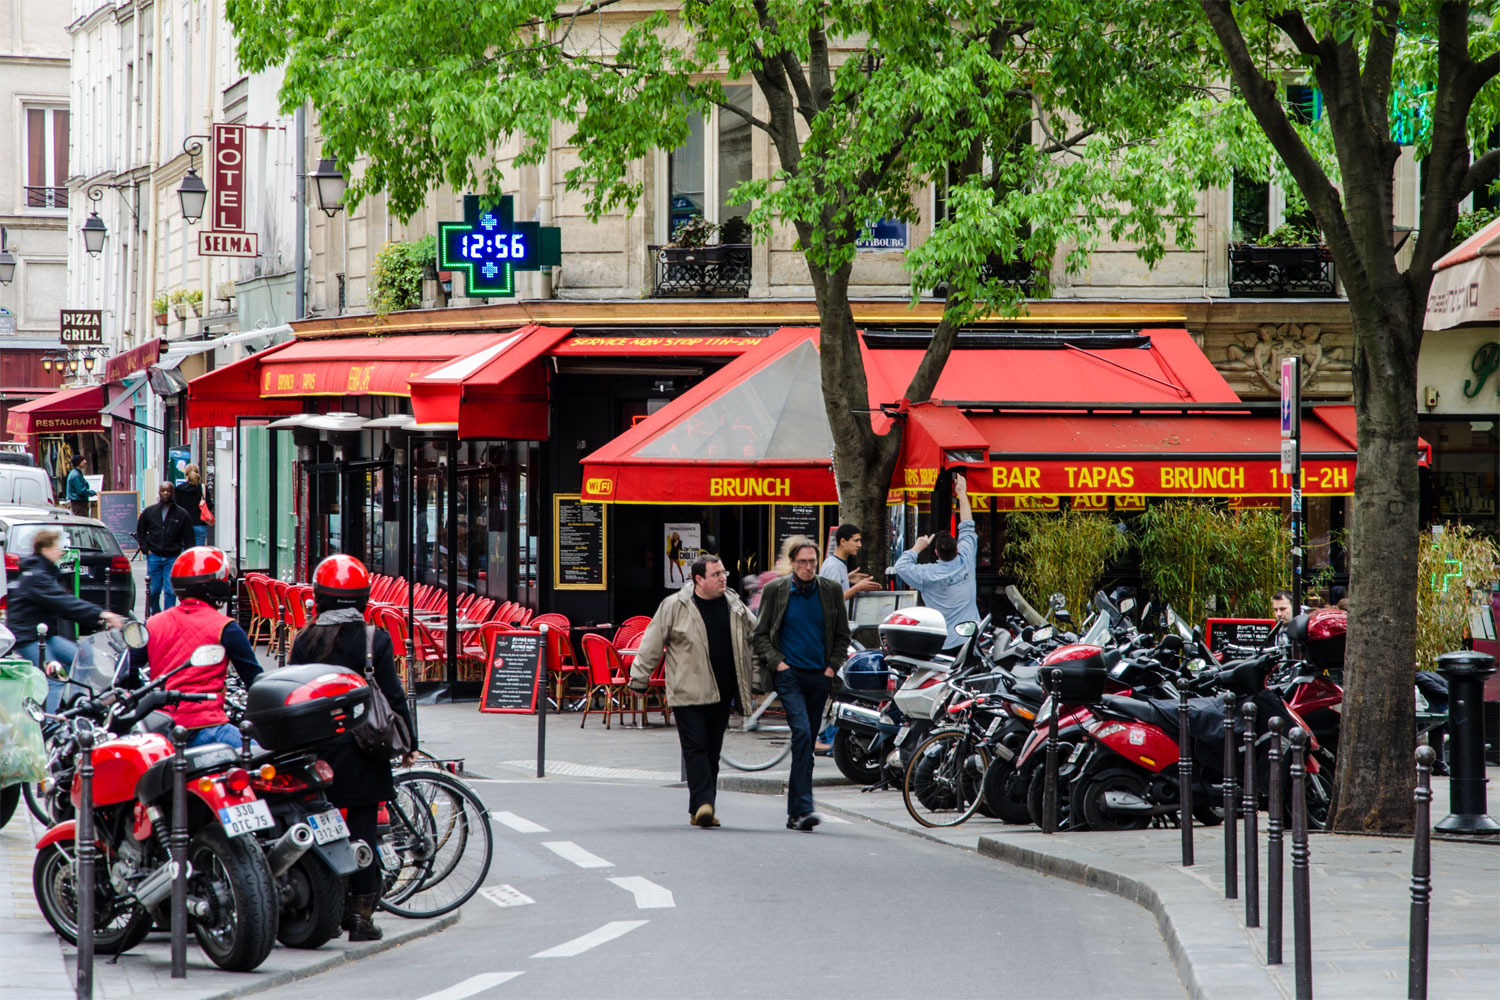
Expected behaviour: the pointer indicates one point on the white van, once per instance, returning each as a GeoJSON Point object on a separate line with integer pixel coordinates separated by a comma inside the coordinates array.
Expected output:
{"type": "Point", "coordinates": [24, 484]}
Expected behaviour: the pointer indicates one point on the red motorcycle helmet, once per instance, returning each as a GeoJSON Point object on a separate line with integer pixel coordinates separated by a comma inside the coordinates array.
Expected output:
{"type": "Point", "coordinates": [202, 572]}
{"type": "Point", "coordinates": [341, 581]}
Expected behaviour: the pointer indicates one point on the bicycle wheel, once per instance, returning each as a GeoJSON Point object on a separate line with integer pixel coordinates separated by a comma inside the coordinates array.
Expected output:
{"type": "Point", "coordinates": [945, 781]}
{"type": "Point", "coordinates": [757, 741]}
{"type": "Point", "coordinates": [439, 845]}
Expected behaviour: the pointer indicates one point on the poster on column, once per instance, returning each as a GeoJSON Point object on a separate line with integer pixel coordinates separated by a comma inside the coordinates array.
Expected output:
{"type": "Point", "coordinates": [681, 543]}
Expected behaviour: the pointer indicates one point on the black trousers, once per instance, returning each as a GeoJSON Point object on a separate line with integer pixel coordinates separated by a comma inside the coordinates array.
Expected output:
{"type": "Point", "coordinates": [364, 824]}
{"type": "Point", "coordinates": [700, 730]}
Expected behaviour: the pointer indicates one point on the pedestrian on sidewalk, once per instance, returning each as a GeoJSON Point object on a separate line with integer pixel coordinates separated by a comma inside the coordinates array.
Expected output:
{"type": "Point", "coordinates": [803, 634]}
{"type": "Point", "coordinates": [949, 584]}
{"type": "Point", "coordinates": [189, 495]}
{"type": "Point", "coordinates": [837, 567]}
{"type": "Point", "coordinates": [361, 781]}
{"type": "Point", "coordinates": [164, 532]}
{"type": "Point", "coordinates": [77, 489]}
{"type": "Point", "coordinates": [703, 630]}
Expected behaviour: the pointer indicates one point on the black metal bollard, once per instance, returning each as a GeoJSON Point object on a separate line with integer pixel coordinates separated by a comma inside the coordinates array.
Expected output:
{"type": "Point", "coordinates": [85, 850]}
{"type": "Point", "coordinates": [179, 843]}
{"type": "Point", "coordinates": [1250, 806]}
{"type": "Point", "coordinates": [1231, 802]}
{"type": "Point", "coordinates": [41, 647]}
{"type": "Point", "coordinates": [1421, 878]}
{"type": "Point", "coordinates": [1468, 810]}
{"type": "Point", "coordinates": [1301, 903]}
{"type": "Point", "coordinates": [1049, 777]}
{"type": "Point", "coordinates": [1273, 844]}
{"type": "Point", "coordinates": [541, 704]}
{"type": "Point", "coordinates": [1185, 777]}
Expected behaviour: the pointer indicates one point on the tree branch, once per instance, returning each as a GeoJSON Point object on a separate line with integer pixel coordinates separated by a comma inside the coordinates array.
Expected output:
{"type": "Point", "coordinates": [1482, 169]}
{"type": "Point", "coordinates": [1292, 25]}
{"type": "Point", "coordinates": [791, 66]}
{"type": "Point", "coordinates": [1375, 81]}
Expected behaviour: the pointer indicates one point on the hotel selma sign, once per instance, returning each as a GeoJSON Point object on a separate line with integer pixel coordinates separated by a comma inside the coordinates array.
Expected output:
{"type": "Point", "coordinates": [226, 236]}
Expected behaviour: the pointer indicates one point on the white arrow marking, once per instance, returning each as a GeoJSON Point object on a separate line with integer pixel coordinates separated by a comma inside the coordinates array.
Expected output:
{"type": "Point", "coordinates": [577, 946]}
{"type": "Point", "coordinates": [648, 895]}
{"type": "Point", "coordinates": [517, 823]}
{"type": "Point", "coordinates": [505, 895]}
{"type": "Point", "coordinates": [472, 985]}
{"type": "Point", "coordinates": [570, 851]}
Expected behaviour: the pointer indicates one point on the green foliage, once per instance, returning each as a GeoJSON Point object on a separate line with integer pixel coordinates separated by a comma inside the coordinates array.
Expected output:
{"type": "Point", "coordinates": [159, 303]}
{"type": "Point", "coordinates": [194, 297]}
{"type": "Point", "coordinates": [178, 296]}
{"type": "Point", "coordinates": [1064, 553]}
{"type": "Point", "coordinates": [1443, 600]}
{"type": "Point", "coordinates": [1470, 223]}
{"type": "Point", "coordinates": [1289, 234]}
{"type": "Point", "coordinates": [397, 275]}
{"type": "Point", "coordinates": [693, 233]}
{"type": "Point", "coordinates": [1194, 553]}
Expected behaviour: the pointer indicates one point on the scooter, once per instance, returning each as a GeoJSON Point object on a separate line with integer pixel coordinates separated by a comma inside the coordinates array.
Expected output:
{"type": "Point", "coordinates": [866, 718]}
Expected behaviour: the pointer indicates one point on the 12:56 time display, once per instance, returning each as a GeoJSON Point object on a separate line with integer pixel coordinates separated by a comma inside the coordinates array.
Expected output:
{"type": "Point", "coordinates": [499, 246]}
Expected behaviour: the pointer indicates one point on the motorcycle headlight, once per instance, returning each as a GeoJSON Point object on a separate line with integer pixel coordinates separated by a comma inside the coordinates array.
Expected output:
{"type": "Point", "coordinates": [1044, 714]}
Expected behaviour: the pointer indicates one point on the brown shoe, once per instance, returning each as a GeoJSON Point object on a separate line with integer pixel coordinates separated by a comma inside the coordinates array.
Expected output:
{"type": "Point", "coordinates": [704, 816]}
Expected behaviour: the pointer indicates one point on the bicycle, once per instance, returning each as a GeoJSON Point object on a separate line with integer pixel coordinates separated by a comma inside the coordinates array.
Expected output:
{"type": "Point", "coordinates": [436, 844]}
{"type": "Point", "coordinates": [754, 742]}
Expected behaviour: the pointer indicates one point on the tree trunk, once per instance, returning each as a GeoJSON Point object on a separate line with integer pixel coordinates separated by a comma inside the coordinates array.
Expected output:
{"type": "Point", "coordinates": [1374, 777]}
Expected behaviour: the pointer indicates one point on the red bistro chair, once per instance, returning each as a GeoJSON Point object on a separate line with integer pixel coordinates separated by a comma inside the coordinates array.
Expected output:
{"type": "Point", "coordinates": [607, 677]}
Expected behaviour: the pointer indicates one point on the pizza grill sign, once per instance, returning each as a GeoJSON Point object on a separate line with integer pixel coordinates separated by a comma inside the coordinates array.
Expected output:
{"type": "Point", "coordinates": [226, 236]}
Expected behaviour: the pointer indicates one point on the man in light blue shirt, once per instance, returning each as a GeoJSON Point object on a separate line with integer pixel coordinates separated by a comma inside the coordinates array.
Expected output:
{"type": "Point", "coordinates": [949, 584]}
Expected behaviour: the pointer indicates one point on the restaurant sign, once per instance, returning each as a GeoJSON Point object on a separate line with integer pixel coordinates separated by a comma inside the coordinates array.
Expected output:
{"type": "Point", "coordinates": [1330, 477]}
{"type": "Point", "coordinates": [226, 236]}
{"type": "Point", "coordinates": [81, 326]}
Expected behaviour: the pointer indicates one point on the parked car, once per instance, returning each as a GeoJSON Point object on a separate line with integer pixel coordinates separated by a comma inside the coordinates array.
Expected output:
{"type": "Point", "coordinates": [107, 576]}
{"type": "Point", "coordinates": [21, 482]}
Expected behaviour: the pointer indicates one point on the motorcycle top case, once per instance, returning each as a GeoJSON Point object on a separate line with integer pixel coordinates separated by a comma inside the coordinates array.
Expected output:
{"type": "Point", "coordinates": [917, 632]}
{"type": "Point", "coordinates": [1085, 669]}
{"type": "Point", "coordinates": [1322, 633]}
{"type": "Point", "coordinates": [306, 704]}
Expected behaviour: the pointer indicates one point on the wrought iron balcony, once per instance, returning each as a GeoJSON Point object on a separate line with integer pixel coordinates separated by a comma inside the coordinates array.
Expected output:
{"type": "Point", "coordinates": [720, 271]}
{"type": "Point", "coordinates": [1016, 273]}
{"type": "Point", "coordinates": [1260, 272]}
{"type": "Point", "coordinates": [46, 197]}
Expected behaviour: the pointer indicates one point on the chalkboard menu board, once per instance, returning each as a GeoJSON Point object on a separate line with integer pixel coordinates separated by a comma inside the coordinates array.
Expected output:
{"type": "Point", "coordinates": [1251, 632]}
{"type": "Point", "coordinates": [580, 543]}
{"type": "Point", "coordinates": [511, 677]}
{"type": "Point", "coordinates": [794, 519]}
{"type": "Point", "coordinates": [119, 510]}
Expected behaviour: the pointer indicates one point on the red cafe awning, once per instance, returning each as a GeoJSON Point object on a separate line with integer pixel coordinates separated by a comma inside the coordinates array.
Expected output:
{"type": "Point", "coordinates": [1340, 418]}
{"type": "Point", "coordinates": [592, 345]}
{"type": "Point", "coordinates": [499, 391]}
{"type": "Point", "coordinates": [137, 359]}
{"type": "Point", "coordinates": [753, 432]}
{"type": "Point", "coordinates": [1466, 283]}
{"type": "Point", "coordinates": [221, 396]}
{"type": "Point", "coordinates": [66, 411]}
{"type": "Point", "coordinates": [361, 366]}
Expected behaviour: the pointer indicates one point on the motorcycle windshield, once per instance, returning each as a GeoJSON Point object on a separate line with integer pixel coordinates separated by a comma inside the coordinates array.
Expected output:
{"type": "Point", "coordinates": [98, 658]}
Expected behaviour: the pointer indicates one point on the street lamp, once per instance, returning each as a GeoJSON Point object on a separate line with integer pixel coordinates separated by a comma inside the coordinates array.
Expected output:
{"type": "Point", "coordinates": [94, 232]}
{"type": "Point", "coordinates": [331, 184]}
{"type": "Point", "coordinates": [47, 360]}
{"type": "Point", "coordinates": [192, 193]}
{"type": "Point", "coordinates": [7, 267]}
{"type": "Point", "coordinates": [88, 362]}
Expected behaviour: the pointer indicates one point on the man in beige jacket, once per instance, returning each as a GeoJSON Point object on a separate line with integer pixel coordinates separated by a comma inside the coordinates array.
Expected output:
{"type": "Point", "coordinates": [704, 632]}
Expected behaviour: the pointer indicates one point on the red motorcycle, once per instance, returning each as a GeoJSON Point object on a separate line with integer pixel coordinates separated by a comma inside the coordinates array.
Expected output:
{"type": "Point", "coordinates": [232, 897]}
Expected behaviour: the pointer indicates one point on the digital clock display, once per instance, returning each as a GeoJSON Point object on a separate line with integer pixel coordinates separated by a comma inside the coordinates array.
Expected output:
{"type": "Point", "coordinates": [501, 246]}
{"type": "Point", "coordinates": [489, 246]}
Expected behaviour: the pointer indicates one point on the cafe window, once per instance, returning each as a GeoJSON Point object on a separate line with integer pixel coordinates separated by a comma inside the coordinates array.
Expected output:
{"type": "Point", "coordinates": [46, 158]}
{"type": "Point", "coordinates": [704, 170]}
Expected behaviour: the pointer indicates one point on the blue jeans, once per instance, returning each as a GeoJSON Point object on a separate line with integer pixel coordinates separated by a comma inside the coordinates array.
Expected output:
{"type": "Point", "coordinates": [216, 734]}
{"type": "Point", "coordinates": [59, 648]}
{"type": "Point", "coordinates": [200, 532]}
{"type": "Point", "coordinates": [803, 694]}
{"type": "Point", "coordinates": [159, 579]}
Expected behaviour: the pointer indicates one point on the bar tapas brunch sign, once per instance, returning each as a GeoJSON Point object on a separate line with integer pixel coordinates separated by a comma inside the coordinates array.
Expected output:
{"type": "Point", "coordinates": [226, 236]}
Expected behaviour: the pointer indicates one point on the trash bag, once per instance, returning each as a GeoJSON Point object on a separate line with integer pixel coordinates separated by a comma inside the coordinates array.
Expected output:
{"type": "Point", "coordinates": [23, 752]}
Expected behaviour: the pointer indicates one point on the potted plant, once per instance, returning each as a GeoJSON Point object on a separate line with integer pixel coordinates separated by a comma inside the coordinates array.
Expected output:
{"type": "Point", "coordinates": [398, 272]}
{"type": "Point", "coordinates": [179, 302]}
{"type": "Point", "coordinates": [159, 308]}
{"type": "Point", "coordinates": [1289, 257]}
{"type": "Point", "coordinates": [194, 299]}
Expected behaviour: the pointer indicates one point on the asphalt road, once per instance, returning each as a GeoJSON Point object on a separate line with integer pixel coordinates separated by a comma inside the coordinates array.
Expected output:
{"type": "Point", "coordinates": [609, 892]}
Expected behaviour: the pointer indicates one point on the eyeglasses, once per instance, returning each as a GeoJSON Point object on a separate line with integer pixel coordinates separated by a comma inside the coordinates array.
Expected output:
{"type": "Point", "coordinates": [805, 562]}
{"type": "Point", "coordinates": [720, 574]}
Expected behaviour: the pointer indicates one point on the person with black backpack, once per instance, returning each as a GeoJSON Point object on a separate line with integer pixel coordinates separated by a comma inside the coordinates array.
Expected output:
{"type": "Point", "coordinates": [361, 779]}
{"type": "Point", "coordinates": [163, 532]}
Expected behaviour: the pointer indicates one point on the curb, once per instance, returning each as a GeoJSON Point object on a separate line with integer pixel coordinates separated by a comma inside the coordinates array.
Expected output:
{"type": "Point", "coordinates": [1192, 927]}
{"type": "Point", "coordinates": [774, 784]}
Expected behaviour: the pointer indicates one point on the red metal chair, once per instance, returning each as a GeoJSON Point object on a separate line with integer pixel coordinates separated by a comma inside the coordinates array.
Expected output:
{"type": "Point", "coordinates": [634, 621]}
{"type": "Point", "coordinates": [263, 619]}
{"type": "Point", "coordinates": [428, 648]}
{"type": "Point", "coordinates": [563, 661]}
{"type": "Point", "coordinates": [280, 592]}
{"type": "Point", "coordinates": [607, 677]}
{"type": "Point", "coordinates": [553, 619]}
{"type": "Point", "coordinates": [524, 621]}
{"type": "Point", "coordinates": [395, 626]}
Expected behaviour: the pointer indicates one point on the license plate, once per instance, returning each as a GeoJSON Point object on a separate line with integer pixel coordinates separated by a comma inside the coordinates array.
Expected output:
{"type": "Point", "coordinates": [328, 826]}
{"type": "Point", "coordinates": [244, 817]}
{"type": "Point", "coordinates": [388, 859]}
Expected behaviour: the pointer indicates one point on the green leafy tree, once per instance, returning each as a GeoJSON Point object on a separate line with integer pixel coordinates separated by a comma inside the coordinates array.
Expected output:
{"type": "Point", "coordinates": [1049, 123]}
{"type": "Point", "coordinates": [1435, 63]}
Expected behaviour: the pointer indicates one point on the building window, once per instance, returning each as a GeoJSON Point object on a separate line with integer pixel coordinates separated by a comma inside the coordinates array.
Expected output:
{"type": "Point", "coordinates": [342, 292]}
{"type": "Point", "coordinates": [703, 171]}
{"type": "Point", "coordinates": [1262, 206]}
{"type": "Point", "coordinates": [47, 158]}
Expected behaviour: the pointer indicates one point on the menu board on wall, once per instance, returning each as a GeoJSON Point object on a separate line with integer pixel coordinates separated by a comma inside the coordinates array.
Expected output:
{"type": "Point", "coordinates": [794, 519]}
{"type": "Point", "coordinates": [119, 510]}
{"type": "Point", "coordinates": [580, 544]}
{"type": "Point", "coordinates": [511, 679]}
{"type": "Point", "coordinates": [1242, 632]}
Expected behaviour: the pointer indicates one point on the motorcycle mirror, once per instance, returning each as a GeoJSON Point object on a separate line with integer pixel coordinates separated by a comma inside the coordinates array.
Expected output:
{"type": "Point", "coordinates": [1041, 634]}
{"type": "Point", "coordinates": [1127, 604]}
{"type": "Point", "coordinates": [965, 629]}
{"type": "Point", "coordinates": [33, 709]}
{"type": "Point", "coordinates": [207, 655]}
{"type": "Point", "coordinates": [60, 670]}
{"type": "Point", "coordinates": [136, 635]}
{"type": "Point", "coordinates": [1171, 643]}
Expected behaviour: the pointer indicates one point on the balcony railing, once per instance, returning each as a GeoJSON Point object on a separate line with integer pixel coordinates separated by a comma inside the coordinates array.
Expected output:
{"type": "Point", "coordinates": [1016, 273]}
{"type": "Point", "coordinates": [721, 271]}
{"type": "Point", "coordinates": [46, 197]}
{"type": "Point", "coordinates": [1260, 272]}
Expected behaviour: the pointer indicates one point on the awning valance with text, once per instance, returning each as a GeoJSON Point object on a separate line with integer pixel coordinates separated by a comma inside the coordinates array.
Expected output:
{"type": "Point", "coordinates": [223, 395]}
{"type": "Point", "coordinates": [67, 411]}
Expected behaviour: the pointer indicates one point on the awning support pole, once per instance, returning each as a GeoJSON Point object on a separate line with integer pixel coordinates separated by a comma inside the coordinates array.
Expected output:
{"type": "Point", "coordinates": [452, 644]}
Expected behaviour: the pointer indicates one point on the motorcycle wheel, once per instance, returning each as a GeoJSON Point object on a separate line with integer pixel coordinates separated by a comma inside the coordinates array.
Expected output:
{"type": "Point", "coordinates": [854, 758]}
{"type": "Point", "coordinates": [1035, 792]}
{"type": "Point", "coordinates": [230, 874]}
{"type": "Point", "coordinates": [118, 926]}
{"type": "Point", "coordinates": [1004, 795]}
{"type": "Point", "coordinates": [10, 797]}
{"type": "Point", "coordinates": [312, 904]}
{"type": "Point", "coordinates": [36, 800]}
{"type": "Point", "coordinates": [1088, 800]}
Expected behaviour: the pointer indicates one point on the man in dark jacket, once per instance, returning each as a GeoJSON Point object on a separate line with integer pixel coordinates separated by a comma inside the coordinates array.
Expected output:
{"type": "Point", "coordinates": [78, 492]}
{"type": "Point", "coordinates": [163, 531]}
{"type": "Point", "coordinates": [41, 599]}
{"type": "Point", "coordinates": [803, 635]}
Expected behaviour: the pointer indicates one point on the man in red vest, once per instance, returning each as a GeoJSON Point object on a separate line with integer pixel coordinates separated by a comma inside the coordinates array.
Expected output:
{"type": "Point", "coordinates": [201, 579]}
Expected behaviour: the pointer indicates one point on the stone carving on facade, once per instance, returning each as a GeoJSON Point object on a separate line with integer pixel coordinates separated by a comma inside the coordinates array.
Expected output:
{"type": "Point", "coordinates": [1259, 352]}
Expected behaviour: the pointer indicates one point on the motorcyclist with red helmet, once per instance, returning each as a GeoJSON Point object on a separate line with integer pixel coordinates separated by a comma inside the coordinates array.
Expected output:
{"type": "Point", "coordinates": [202, 582]}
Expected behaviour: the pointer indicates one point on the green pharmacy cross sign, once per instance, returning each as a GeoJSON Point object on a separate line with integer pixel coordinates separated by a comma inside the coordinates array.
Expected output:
{"type": "Point", "coordinates": [489, 246]}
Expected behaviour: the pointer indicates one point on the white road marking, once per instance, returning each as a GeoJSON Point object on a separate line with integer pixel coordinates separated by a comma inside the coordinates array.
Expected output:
{"type": "Point", "coordinates": [832, 819]}
{"type": "Point", "coordinates": [572, 770]}
{"type": "Point", "coordinates": [577, 946]}
{"type": "Point", "coordinates": [648, 895]}
{"type": "Point", "coordinates": [569, 851]}
{"type": "Point", "coordinates": [472, 985]}
{"type": "Point", "coordinates": [517, 823]}
{"type": "Point", "coordinates": [505, 895]}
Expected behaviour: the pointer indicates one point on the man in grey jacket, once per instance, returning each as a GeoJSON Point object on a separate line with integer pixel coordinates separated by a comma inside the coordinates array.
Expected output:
{"type": "Point", "coordinates": [947, 585]}
{"type": "Point", "coordinates": [704, 632]}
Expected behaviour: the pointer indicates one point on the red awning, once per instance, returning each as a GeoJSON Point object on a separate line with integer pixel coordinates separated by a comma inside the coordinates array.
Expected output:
{"type": "Point", "coordinates": [499, 391]}
{"type": "Point", "coordinates": [137, 359]}
{"type": "Point", "coordinates": [1342, 420]}
{"type": "Point", "coordinates": [66, 411]}
{"type": "Point", "coordinates": [224, 394]}
{"type": "Point", "coordinates": [361, 366]}
{"type": "Point", "coordinates": [753, 432]}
